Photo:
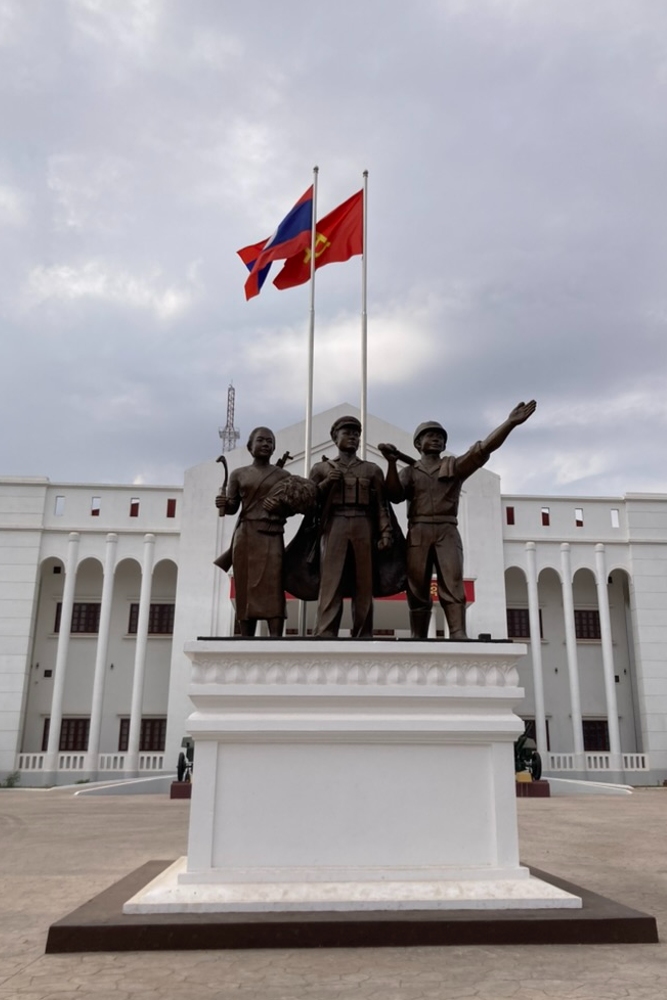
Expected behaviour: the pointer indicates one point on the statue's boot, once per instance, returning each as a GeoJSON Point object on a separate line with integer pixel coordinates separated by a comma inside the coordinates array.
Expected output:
{"type": "Point", "coordinates": [419, 623]}
{"type": "Point", "coordinates": [276, 626]}
{"type": "Point", "coordinates": [456, 619]}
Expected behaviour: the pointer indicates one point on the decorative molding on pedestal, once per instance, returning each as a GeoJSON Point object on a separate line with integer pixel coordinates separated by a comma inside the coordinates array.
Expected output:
{"type": "Point", "coordinates": [431, 670]}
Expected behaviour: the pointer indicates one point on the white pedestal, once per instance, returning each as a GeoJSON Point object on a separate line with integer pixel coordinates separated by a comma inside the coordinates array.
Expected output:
{"type": "Point", "coordinates": [351, 776]}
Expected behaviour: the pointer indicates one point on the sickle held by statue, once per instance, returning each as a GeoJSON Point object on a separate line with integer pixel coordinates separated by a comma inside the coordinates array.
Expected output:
{"type": "Point", "coordinates": [223, 488]}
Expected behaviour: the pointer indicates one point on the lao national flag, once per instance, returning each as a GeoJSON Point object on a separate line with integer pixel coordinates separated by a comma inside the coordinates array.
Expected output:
{"type": "Point", "coordinates": [292, 236]}
{"type": "Point", "coordinates": [249, 257]}
{"type": "Point", "coordinates": [339, 236]}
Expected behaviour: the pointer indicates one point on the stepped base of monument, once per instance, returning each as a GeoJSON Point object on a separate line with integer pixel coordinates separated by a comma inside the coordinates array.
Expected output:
{"type": "Point", "coordinates": [101, 925]}
{"type": "Point", "coordinates": [177, 891]}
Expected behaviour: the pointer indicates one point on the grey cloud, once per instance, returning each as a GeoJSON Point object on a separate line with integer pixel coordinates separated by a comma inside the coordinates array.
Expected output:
{"type": "Point", "coordinates": [517, 161]}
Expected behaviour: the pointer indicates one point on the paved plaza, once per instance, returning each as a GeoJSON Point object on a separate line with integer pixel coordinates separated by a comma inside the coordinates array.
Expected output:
{"type": "Point", "coordinates": [57, 850]}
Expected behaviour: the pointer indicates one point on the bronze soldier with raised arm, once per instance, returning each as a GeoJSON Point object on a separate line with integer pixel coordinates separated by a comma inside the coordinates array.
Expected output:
{"type": "Point", "coordinates": [432, 487]}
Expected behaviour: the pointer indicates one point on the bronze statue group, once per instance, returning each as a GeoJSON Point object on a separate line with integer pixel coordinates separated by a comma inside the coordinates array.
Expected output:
{"type": "Point", "coordinates": [349, 543]}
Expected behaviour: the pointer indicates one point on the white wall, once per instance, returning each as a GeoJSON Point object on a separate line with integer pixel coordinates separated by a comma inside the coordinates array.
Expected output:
{"type": "Point", "coordinates": [33, 538]}
{"type": "Point", "coordinates": [21, 511]}
{"type": "Point", "coordinates": [647, 525]}
{"type": "Point", "coordinates": [635, 574]}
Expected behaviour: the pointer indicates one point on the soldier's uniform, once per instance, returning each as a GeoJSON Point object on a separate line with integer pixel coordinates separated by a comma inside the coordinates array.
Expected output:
{"type": "Point", "coordinates": [433, 540]}
{"type": "Point", "coordinates": [354, 517]}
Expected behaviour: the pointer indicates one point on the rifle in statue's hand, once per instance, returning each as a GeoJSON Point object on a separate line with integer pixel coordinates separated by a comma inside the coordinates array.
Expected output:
{"type": "Point", "coordinates": [391, 451]}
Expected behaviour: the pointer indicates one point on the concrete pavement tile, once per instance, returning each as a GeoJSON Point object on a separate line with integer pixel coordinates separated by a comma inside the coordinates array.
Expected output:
{"type": "Point", "coordinates": [445, 993]}
{"type": "Point", "coordinates": [399, 993]}
{"type": "Point", "coordinates": [13, 995]}
{"type": "Point", "coordinates": [70, 994]}
{"type": "Point", "coordinates": [9, 967]}
{"type": "Point", "coordinates": [8, 970]}
{"type": "Point", "coordinates": [496, 989]}
{"type": "Point", "coordinates": [23, 952]}
{"type": "Point", "coordinates": [448, 992]}
{"type": "Point", "coordinates": [566, 989]}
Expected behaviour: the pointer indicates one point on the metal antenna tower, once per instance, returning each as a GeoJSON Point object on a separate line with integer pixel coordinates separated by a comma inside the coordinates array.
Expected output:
{"type": "Point", "coordinates": [229, 434]}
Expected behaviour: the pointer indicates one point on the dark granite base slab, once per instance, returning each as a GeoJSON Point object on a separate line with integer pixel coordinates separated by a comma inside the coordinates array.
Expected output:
{"type": "Point", "coordinates": [100, 925]}
{"type": "Point", "coordinates": [533, 789]}
{"type": "Point", "coordinates": [180, 790]}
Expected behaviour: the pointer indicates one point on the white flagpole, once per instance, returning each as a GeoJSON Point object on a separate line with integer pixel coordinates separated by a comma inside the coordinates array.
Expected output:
{"type": "Point", "coordinates": [311, 332]}
{"type": "Point", "coordinates": [364, 326]}
{"type": "Point", "coordinates": [308, 446]}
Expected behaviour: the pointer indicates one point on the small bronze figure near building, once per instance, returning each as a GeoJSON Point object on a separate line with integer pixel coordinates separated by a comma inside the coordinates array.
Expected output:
{"type": "Point", "coordinates": [257, 546]}
{"type": "Point", "coordinates": [432, 487]}
{"type": "Point", "coordinates": [354, 525]}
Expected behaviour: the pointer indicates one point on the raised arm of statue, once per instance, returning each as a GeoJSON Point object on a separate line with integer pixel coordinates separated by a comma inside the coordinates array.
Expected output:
{"type": "Point", "coordinates": [519, 415]}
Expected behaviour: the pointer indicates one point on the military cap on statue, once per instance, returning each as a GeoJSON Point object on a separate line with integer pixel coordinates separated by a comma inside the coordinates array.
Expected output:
{"type": "Point", "coordinates": [344, 422]}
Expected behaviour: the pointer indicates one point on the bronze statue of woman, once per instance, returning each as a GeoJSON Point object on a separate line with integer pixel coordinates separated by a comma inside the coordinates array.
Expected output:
{"type": "Point", "coordinates": [257, 547]}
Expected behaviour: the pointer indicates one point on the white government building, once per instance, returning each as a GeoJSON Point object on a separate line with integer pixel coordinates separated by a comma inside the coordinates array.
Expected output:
{"type": "Point", "coordinates": [581, 580]}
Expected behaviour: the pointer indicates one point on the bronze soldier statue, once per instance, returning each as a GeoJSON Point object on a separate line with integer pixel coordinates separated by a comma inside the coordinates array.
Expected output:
{"type": "Point", "coordinates": [257, 545]}
{"type": "Point", "coordinates": [354, 524]}
{"type": "Point", "coordinates": [432, 487]}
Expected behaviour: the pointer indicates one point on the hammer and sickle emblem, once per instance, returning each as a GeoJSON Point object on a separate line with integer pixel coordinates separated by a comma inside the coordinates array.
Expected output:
{"type": "Point", "coordinates": [321, 243]}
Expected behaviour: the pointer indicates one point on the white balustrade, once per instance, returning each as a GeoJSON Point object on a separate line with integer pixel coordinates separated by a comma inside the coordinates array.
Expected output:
{"type": "Point", "coordinates": [635, 762]}
{"type": "Point", "coordinates": [560, 762]}
{"type": "Point", "coordinates": [155, 762]}
{"type": "Point", "coordinates": [71, 761]}
{"type": "Point", "coordinates": [151, 761]}
{"type": "Point", "coordinates": [111, 762]}
{"type": "Point", "coordinates": [31, 761]}
{"type": "Point", "coordinates": [595, 762]}
{"type": "Point", "coordinates": [598, 761]}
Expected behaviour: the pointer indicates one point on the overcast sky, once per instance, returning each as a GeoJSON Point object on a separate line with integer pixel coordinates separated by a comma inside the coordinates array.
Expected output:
{"type": "Point", "coordinates": [517, 240]}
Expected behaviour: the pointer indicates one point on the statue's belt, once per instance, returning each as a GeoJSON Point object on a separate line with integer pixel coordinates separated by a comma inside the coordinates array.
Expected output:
{"type": "Point", "coordinates": [433, 519]}
{"type": "Point", "coordinates": [264, 525]}
{"type": "Point", "coordinates": [349, 511]}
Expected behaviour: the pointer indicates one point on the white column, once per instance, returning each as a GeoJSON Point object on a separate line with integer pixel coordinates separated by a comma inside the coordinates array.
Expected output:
{"type": "Point", "coordinates": [572, 662]}
{"type": "Point", "coordinates": [51, 759]}
{"type": "Point", "coordinates": [101, 654]}
{"type": "Point", "coordinates": [608, 658]}
{"type": "Point", "coordinates": [536, 647]}
{"type": "Point", "coordinates": [132, 756]}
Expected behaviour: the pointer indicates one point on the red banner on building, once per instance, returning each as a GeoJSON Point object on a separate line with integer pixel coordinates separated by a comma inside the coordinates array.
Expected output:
{"type": "Point", "coordinates": [468, 585]}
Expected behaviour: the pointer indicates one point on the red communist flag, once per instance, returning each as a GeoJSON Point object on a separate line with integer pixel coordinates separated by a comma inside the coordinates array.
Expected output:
{"type": "Point", "coordinates": [339, 236]}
